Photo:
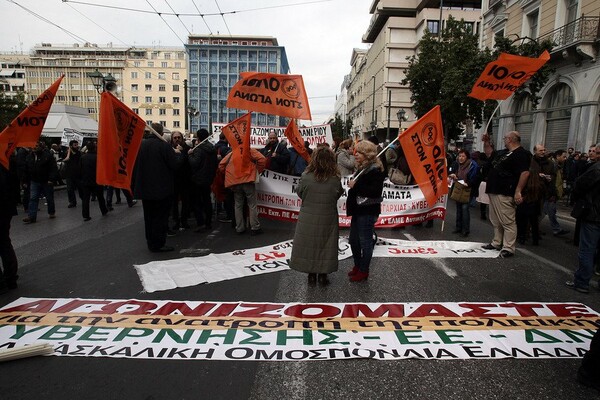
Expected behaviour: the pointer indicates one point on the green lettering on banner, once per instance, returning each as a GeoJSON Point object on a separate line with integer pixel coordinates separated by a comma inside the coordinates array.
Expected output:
{"type": "Point", "coordinates": [229, 336]}
{"type": "Point", "coordinates": [405, 337]}
{"type": "Point", "coordinates": [22, 331]}
{"type": "Point", "coordinates": [185, 338]}
{"type": "Point", "coordinates": [282, 337]}
{"type": "Point", "coordinates": [96, 330]}
{"type": "Point", "coordinates": [330, 337]}
{"type": "Point", "coordinates": [530, 337]}
{"type": "Point", "coordinates": [254, 336]}
{"type": "Point", "coordinates": [60, 332]}
{"type": "Point", "coordinates": [131, 333]}
{"type": "Point", "coordinates": [448, 338]}
{"type": "Point", "coordinates": [576, 336]}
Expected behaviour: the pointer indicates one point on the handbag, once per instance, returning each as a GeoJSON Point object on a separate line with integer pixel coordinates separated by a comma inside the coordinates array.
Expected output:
{"type": "Point", "coordinates": [460, 193]}
{"type": "Point", "coordinates": [367, 201]}
{"type": "Point", "coordinates": [397, 177]}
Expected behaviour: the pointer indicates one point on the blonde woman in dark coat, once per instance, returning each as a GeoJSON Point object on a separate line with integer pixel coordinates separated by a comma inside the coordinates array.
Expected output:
{"type": "Point", "coordinates": [315, 248]}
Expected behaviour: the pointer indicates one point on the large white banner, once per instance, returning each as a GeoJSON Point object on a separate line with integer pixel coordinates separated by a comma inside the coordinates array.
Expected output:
{"type": "Point", "coordinates": [191, 271]}
{"type": "Point", "coordinates": [72, 134]}
{"type": "Point", "coordinates": [258, 135]}
{"type": "Point", "coordinates": [207, 330]}
{"type": "Point", "coordinates": [402, 204]}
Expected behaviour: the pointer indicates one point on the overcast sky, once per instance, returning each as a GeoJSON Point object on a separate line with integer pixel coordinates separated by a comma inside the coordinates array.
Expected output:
{"type": "Point", "coordinates": [318, 35]}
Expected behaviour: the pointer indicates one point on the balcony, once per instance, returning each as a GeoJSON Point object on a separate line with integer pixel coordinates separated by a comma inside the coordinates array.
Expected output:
{"type": "Point", "coordinates": [578, 38]}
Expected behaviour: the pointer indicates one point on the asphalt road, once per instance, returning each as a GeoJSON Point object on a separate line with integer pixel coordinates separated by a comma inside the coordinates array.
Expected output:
{"type": "Point", "coordinates": [69, 258]}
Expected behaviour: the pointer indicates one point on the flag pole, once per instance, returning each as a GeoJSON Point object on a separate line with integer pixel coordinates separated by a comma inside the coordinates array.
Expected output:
{"type": "Point", "coordinates": [492, 116]}
{"type": "Point", "coordinates": [158, 135]}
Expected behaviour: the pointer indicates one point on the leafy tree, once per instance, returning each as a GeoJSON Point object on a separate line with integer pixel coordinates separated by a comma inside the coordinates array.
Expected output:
{"type": "Point", "coordinates": [444, 72]}
{"type": "Point", "coordinates": [10, 107]}
{"type": "Point", "coordinates": [340, 128]}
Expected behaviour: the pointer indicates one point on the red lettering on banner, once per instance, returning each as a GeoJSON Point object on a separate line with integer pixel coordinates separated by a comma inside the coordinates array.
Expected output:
{"type": "Point", "coordinates": [74, 304]}
{"type": "Point", "coordinates": [258, 310]}
{"type": "Point", "coordinates": [524, 310]}
{"type": "Point", "coordinates": [358, 310]}
{"type": "Point", "coordinates": [480, 310]}
{"type": "Point", "coordinates": [142, 307]}
{"type": "Point", "coordinates": [40, 306]}
{"type": "Point", "coordinates": [568, 310]}
{"type": "Point", "coordinates": [184, 309]}
{"type": "Point", "coordinates": [432, 310]}
{"type": "Point", "coordinates": [297, 311]}
{"type": "Point", "coordinates": [265, 257]}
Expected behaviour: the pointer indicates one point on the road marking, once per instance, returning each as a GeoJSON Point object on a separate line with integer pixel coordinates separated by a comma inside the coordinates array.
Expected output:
{"type": "Point", "coordinates": [410, 237]}
{"type": "Point", "coordinates": [546, 261]}
{"type": "Point", "coordinates": [439, 264]}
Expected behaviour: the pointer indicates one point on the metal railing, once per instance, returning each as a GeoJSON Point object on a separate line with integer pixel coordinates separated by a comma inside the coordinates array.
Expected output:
{"type": "Point", "coordinates": [584, 29]}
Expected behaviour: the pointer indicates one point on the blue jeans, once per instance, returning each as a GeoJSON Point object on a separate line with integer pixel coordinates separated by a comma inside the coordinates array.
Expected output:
{"type": "Point", "coordinates": [550, 209]}
{"type": "Point", "coordinates": [588, 243]}
{"type": "Point", "coordinates": [463, 217]}
{"type": "Point", "coordinates": [362, 228]}
{"type": "Point", "coordinates": [37, 189]}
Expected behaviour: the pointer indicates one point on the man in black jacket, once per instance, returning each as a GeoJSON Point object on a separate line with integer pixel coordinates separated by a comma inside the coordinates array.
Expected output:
{"type": "Point", "coordinates": [42, 172]}
{"type": "Point", "coordinates": [203, 163]}
{"type": "Point", "coordinates": [9, 196]}
{"type": "Point", "coordinates": [276, 153]}
{"type": "Point", "coordinates": [154, 184]}
{"type": "Point", "coordinates": [73, 173]}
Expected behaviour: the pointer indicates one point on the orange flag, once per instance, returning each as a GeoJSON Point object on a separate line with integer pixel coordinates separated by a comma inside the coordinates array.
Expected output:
{"type": "Point", "coordinates": [25, 130]}
{"type": "Point", "coordinates": [503, 77]}
{"type": "Point", "coordinates": [237, 133]}
{"type": "Point", "coordinates": [275, 94]}
{"type": "Point", "coordinates": [120, 133]}
{"type": "Point", "coordinates": [293, 135]}
{"type": "Point", "coordinates": [423, 145]}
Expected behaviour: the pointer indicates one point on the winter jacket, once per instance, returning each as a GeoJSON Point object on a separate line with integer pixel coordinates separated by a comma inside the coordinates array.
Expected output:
{"type": "Point", "coordinates": [232, 177]}
{"type": "Point", "coordinates": [587, 187]}
{"type": "Point", "coordinates": [88, 168]}
{"type": "Point", "coordinates": [203, 163]}
{"type": "Point", "coordinates": [369, 184]}
{"type": "Point", "coordinates": [154, 169]}
{"type": "Point", "coordinates": [346, 162]}
{"type": "Point", "coordinates": [315, 247]}
{"type": "Point", "coordinates": [279, 156]}
{"type": "Point", "coordinates": [41, 167]}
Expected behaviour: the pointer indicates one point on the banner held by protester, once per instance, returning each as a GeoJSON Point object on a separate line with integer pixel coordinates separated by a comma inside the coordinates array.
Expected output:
{"type": "Point", "coordinates": [237, 133]}
{"type": "Point", "coordinates": [276, 94]}
{"type": "Point", "coordinates": [120, 133]}
{"type": "Point", "coordinates": [26, 129]}
{"type": "Point", "coordinates": [293, 135]}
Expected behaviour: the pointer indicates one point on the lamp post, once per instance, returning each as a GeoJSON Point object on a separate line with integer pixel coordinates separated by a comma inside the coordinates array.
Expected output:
{"type": "Point", "coordinates": [107, 82]}
{"type": "Point", "coordinates": [373, 123]}
{"type": "Point", "coordinates": [401, 117]}
{"type": "Point", "coordinates": [192, 112]}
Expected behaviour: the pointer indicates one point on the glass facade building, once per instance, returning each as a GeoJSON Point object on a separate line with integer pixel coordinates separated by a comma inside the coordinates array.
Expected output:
{"type": "Point", "coordinates": [215, 63]}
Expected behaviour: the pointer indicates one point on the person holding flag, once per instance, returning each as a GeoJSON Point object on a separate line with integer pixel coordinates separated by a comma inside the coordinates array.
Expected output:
{"type": "Point", "coordinates": [9, 196]}
{"type": "Point", "coordinates": [41, 172]}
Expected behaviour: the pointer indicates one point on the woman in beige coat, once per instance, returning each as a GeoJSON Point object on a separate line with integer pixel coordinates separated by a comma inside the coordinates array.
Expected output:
{"type": "Point", "coordinates": [315, 248]}
{"type": "Point", "coordinates": [345, 158]}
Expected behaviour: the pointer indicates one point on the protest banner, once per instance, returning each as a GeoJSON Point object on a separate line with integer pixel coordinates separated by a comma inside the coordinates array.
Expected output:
{"type": "Point", "coordinates": [502, 77]}
{"type": "Point", "coordinates": [315, 134]}
{"type": "Point", "coordinates": [295, 140]}
{"type": "Point", "coordinates": [25, 130]}
{"type": "Point", "coordinates": [120, 133]}
{"type": "Point", "coordinates": [240, 330]}
{"type": "Point", "coordinates": [237, 134]}
{"type": "Point", "coordinates": [70, 134]}
{"type": "Point", "coordinates": [402, 204]}
{"type": "Point", "coordinates": [276, 94]}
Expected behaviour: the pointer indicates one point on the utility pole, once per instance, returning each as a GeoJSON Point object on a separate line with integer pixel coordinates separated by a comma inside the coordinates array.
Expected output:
{"type": "Point", "coordinates": [185, 101]}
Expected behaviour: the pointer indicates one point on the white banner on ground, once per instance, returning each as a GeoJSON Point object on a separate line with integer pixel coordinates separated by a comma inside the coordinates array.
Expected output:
{"type": "Point", "coordinates": [206, 330]}
{"type": "Point", "coordinates": [191, 271]}
{"type": "Point", "coordinates": [402, 205]}
{"type": "Point", "coordinates": [258, 135]}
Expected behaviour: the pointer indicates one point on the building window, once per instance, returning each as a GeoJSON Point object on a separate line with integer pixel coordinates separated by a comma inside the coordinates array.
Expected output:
{"type": "Point", "coordinates": [154, 55]}
{"type": "Point", "coordinates": [177, 64]}
{"type": "Point", "coordinates": [162, 88]}
{"type": "Point", "coordinates": [162, 111]}
{"type": "Point", "coordinates": [134, 99]}
{"type": "Point", "coordinates": [164, 64]}
{"type": "Point", "coordinates": [163, 123]}
{"type": "Point", "coordinates": [91, 110]}
{"type": "Point", "coordinates": [151, 64]}
{"type": "Point", "coordinates": [176, 111]}
{"type": "Point", "coordinates": [175, 76]}
{"type": "Point", "coordinates": [134, 75]}
{"type": "Point", "coordinates": [167, 56]}
{"type": "Point", "coordinates": [148, 99]}
{"type": "Point", "coordinates": [162, 99]}
{"type": "Point", "coordinates": [161, 75]}
{"type": "Point", "coordinates": [176, 124]}
{"type": "Point", "coordinates": [148, 75]}
{"type": "Point", "coordinates": [136, 110]}
{"type": "Point", "coordinates": [134, 87]}
{"type": "Point", "coordinates": [148, 88]}
{"type": "Point", "coordinates": [176, 88]}
{"type": "Point", "coordinates": [433, 26]}
{"type": "Point", "coordinates": [137, 64]}
{"type": "Point", "coordinates": [175, 100]}
{"type": "Point", "coordinates": [532, 21]}
{"type": "Point", "coordinates": [148, 111]}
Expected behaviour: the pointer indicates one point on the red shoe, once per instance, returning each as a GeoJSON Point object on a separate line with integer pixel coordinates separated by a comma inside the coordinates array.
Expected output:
{"type": "Point", "coordinates": [354, 271]}
{"type": "Point", "coordinates": [359, 276]}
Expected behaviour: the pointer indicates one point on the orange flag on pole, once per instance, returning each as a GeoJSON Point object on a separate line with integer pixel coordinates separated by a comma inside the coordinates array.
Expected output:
{"type": "Point", "coordinates": [293, 135]}
{"type": "Point", "coordinates": [503, 77]}
{"type": "Point", "coordinates": [276, 94]}
{"type": "Point", "coordinates": [423, 145]}
{"type": "Point", "coordinates": [237, 133]}
{"type": "Point", "coordinates": [120, 133]}
{"type": "Point", "coordinates": [25, 130]}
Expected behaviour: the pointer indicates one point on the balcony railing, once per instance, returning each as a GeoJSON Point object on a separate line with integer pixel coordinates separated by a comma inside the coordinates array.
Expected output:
{"type": "Point", "coordinates": [584, 29]}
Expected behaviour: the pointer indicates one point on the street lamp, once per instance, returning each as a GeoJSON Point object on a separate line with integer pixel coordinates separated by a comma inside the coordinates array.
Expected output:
{"type": "Point", "coordinates": [107, 82]}
{"type": "Point", "coordinates": [192, 112]}
{"type": "Point", "coordinates": [401, 117]}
